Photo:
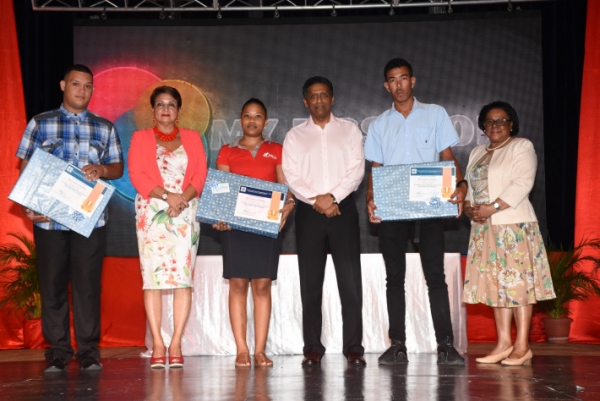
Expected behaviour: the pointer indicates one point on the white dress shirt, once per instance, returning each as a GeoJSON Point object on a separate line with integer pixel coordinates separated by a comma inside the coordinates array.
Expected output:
{"type": "Point", "coordinates": [317, 161]}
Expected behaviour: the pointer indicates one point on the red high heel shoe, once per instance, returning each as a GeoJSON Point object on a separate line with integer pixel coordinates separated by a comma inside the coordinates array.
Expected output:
{"type": "Point", "coordinates": [176, 362]}
{"type": "Point", "coordinates": [158, 362]}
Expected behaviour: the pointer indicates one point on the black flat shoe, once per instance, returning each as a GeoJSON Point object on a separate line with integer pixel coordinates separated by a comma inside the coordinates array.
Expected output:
{"type": "Point", "coordinates": [395, 354]}
{"type": "Point", "coordinates": [56, 365]}
{"type": "Point", "coordinates": [91, 364]}
{"type": "Point", "coordinates": [448, 355]}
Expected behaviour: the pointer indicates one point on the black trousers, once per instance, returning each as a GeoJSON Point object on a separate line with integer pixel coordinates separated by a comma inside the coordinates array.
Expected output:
{"type": "Point", "coordinates": [314, 233]}
{"type": "Point", "coordinates": [392, 241]}
{"type": "Point", "coordinates": [63, 257]}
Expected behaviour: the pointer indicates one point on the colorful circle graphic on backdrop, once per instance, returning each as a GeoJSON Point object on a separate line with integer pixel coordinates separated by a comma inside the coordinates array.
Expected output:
{"type": "Point", "coordinates": [122, 95]}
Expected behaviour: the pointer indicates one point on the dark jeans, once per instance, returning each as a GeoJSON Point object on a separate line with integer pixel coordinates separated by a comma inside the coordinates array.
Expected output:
{"type": "Point", "coordinates": [63, 257]}
{"type": "Point", "coordinates": [392, 240]}
{"type": "Point", "coordinates": [314, 232]}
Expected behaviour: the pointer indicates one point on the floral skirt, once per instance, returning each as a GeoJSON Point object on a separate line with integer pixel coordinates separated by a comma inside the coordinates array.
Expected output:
{"type": "Point", "coordinates": [167, 246]}
{"type": "Point", "coordinates": [507, 266]}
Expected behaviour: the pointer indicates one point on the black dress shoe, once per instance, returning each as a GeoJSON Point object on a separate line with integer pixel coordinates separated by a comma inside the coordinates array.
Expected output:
{"type": "Point", "coordinates": [56, 365]}
{"type": "Point", "coordinates": [90, 364]}
{"type": "Point", "coordinates": [356, 359]}
{"type": "Point", "coordinates": [312, 358]}
{"type": "Point", "coordinates": [448, 355]}
{"type": "Point", "coordinates": [395, 354]}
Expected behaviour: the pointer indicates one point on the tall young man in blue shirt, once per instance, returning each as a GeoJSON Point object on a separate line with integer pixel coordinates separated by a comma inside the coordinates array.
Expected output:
{"type": "Point", "coordinates": [413, 132]}
{"type": "Point", "coordinates": [91, 143]}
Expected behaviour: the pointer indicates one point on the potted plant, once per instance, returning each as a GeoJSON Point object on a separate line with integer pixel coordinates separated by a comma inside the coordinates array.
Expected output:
{"type": "Point", "coordinates": [570, 284]}
{"type": "Point", "coordinates": [22, 287]}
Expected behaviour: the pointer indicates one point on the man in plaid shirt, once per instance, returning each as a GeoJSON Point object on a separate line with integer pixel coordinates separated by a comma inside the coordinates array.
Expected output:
{"type": "Point", "coordinates": [91, 143]}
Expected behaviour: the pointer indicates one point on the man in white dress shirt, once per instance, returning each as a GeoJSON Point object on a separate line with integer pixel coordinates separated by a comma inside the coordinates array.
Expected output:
{"type": "Point", "coordinates": [323, 164]}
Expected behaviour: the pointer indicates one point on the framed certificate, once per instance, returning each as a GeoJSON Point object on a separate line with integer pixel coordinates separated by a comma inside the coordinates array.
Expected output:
{"type": "Point", "coordinates": [244, 203]}
{"type": "Point", "coordinates": [54, 188]}
{"type": "Point", "coordinates": [414, 191]}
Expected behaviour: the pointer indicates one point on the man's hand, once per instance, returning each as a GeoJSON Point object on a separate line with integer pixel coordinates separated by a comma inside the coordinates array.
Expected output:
{"type": "Point", "coordinates": [33, 216]}
{"type": "Point", "coordinates": [332, 211]}
{"type": "Point", "coordinates": [371, 211]}
{"type": "Point", "coordinates": [322, 203]}
{"type": "Point", "coordinates": [458, 198]}
{"type": "Point", "coordinates": [92, 172]}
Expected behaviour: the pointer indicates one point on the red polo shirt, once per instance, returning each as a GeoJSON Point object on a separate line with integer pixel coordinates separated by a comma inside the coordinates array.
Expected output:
{"type": "Point", "coordinates": [261, 166]}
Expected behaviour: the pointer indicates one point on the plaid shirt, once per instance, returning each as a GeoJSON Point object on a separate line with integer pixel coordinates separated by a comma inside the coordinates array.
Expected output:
{"type": "Point", "coordinates": [79, 139]}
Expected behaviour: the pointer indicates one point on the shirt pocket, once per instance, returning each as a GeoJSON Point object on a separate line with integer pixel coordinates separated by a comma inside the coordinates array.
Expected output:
{"type": "Point", "coordinates": [425, 137]}
{"type": "Point", "coordinates": [96, 151]}
{"type": "Point", "coordinates": [54, 146]}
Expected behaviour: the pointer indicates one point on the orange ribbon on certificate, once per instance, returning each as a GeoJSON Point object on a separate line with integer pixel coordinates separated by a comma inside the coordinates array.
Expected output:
{"type": "Point", "coordinates": [89, 204]}
{"type": "Point", "coordinates": [273, 213]}
{"type": "Point", "coordinates": [446, 182]}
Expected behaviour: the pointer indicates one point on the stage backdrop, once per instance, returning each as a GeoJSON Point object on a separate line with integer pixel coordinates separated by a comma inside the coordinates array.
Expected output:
{"type": "Point", "coordinates": [460, 63]}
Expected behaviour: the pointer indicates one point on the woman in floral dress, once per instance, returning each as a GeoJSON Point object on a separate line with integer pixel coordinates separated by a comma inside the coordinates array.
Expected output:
{"type": "Point", "coordinates": [507, 266]}
{"type": "Point", "coordinates": [167, 166]}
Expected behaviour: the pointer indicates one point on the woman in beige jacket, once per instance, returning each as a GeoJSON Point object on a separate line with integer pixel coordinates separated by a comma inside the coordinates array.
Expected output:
{"type": "Point", "coordinates": [507, 266]}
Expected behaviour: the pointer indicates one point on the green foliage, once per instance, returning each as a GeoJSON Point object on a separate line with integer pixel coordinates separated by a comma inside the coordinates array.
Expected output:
{"type": "Point", "coordinates": [570, 282]}
{"type": "Point", "coordinates": [21, 282]}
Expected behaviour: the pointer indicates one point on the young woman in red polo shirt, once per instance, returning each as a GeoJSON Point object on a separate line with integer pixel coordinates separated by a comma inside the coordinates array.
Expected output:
{"type": "Point", "coordinates": [251, 258]}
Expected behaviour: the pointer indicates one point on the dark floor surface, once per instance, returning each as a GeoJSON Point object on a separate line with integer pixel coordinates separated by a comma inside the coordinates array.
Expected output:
{"type": "Point", "coordinates": [567, 372]}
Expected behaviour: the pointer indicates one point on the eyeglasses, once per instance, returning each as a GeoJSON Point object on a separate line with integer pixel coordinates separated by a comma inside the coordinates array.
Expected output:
{"type": "Point", "coordinates": [501, 122]}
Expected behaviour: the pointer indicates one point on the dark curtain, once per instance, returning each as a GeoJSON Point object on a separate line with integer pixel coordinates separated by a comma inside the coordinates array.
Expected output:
{"type": "Point", "coordinates": [563, 27]}
{"type": "Point", "coordinates": [46, 49]}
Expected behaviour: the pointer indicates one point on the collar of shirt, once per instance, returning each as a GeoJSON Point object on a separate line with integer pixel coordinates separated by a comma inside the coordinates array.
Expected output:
{"type": "Point", "coordinates": [310, 123]}
{"type": "Point", "coordinates": [236, 144]}
{"type": "Point", "coordinates": [70, 114]}
{"type": "Point", "coordinates": [416, 105]}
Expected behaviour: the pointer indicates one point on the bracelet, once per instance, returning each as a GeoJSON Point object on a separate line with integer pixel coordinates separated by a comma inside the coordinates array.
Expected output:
{"type": "Point", "coordinates": [460, 182]}
{"type": "Point", "coordinates": [291, 200]}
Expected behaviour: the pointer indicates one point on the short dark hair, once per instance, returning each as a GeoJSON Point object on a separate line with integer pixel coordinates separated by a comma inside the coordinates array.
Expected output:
{"type": "Point", "coordinates": [169, 90]}
{"type": "Point", "coordinates": [508, 109]}
{"type": "Point", "coordinates": [397, 63]}
{"type": "Point", "coordinates": [78, 67]}
{"type": "Point", "coordinates": [254, 100]}
{"type": "Point", "coordinates": [316, 80]}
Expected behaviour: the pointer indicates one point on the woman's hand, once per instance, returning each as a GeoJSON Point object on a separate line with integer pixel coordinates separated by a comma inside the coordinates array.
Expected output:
{"type": "Point", "coordinates": [285, 212]}
{"type": "Point", "coordinates": [481, 213]}
{"type": "Point", "coordinates": [221, 226]}
{"type": "Point", "coordinates": [173, 212]}
{"type": "Point", "coordinates": [469, 211]}
{"type": "Point", "coordinates": [177, 201]}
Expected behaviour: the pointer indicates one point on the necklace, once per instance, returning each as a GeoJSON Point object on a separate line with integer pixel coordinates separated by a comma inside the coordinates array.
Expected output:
{"type": "Point", "coordinates": [499, 146]}
{"type": "Point", "coordinates": [166, 137]}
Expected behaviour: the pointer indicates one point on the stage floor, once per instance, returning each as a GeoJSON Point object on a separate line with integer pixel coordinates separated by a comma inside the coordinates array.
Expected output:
{"type": "Point", "coordinates": [559, 372]}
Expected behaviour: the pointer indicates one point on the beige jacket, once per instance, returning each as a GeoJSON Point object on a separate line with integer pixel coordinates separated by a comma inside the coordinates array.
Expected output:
{"type": "Point", "coordinates": [510, 178]}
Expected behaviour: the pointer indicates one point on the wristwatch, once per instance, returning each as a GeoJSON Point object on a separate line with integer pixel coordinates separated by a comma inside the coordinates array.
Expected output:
{"type": "Point", "coordinates": [497, 206]}
{"type": "Point", "coordinates": [165, 196]}
{"type": "Point", "coordinates": [333, 197]}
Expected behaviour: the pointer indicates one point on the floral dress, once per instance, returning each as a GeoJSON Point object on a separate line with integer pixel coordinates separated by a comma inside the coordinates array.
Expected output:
{"type": "Point", "coordinates": [507, 265]}
{"type": "Point", "coordinates": [167, 245]}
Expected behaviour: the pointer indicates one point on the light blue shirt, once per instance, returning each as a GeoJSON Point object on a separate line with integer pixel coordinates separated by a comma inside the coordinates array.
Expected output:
{"type": "Point", "coordinates": [419, 138]}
